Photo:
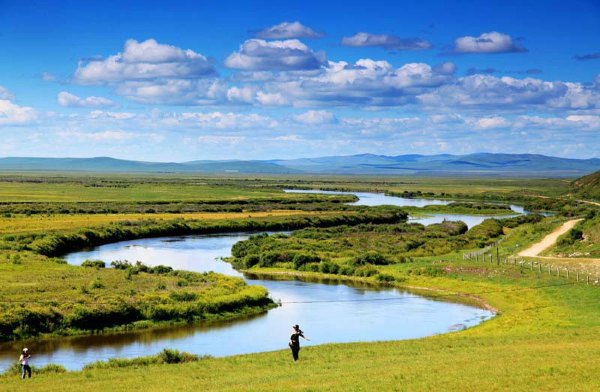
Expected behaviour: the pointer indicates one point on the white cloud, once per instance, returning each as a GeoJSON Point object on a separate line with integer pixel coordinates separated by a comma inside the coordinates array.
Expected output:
{"type": "Point", "coordinates": [271, 99]}
{"type": "Point", "coordinates": [487, 90]}
{"type": "Point", "coordinates": [241, 94]}
{"type": "Point", "coordinates": [5, 94]}
{"type": "Point", "coordinates": [102, 115]}
{"type": "Point", "coordinates": [492, 42]}
{"type": "Point", "coordinates": [286, 30]}
{"type": "Point", "coordinates": [489, 122]}
{"type": "Point", "coordinates": [587, 121]}
{"type": "Point", "coordinates": [174, 91]}
{"type": "Point", "coordinates": [315, 117]}
{"type": "Point", "coordinates": [145, 60]}
{"type": "Point", "coordinates": [366, 82]}
{"type": "Point", "coordinates": [219, 120]}
{"type": "Point", "coordinates": [102, 136]}
{"type": "Point", "coordinates": [13, 114]}
{"type": "Point", "coordinates": [258, 54]}
{"type": "Point", "coordinates": [48, 77]}
{"type": "Point", "coordinates": [69, 100]}
{"type": "Point", "coordinates": [389, 42]}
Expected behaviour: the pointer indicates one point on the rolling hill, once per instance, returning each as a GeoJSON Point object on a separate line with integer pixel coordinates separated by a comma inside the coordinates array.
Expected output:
{"type": "Point", "coordinates": [481, 164]}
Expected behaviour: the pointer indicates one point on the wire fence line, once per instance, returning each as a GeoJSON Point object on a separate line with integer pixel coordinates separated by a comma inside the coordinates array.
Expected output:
{"type": "Point", "coordinates": [491, 255]}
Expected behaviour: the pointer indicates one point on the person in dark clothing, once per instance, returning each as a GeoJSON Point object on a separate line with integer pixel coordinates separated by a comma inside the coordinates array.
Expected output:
{"type": "Point", "coordinates": [295, 340]}
{"type": "Point", "coordinates": [24, 360]}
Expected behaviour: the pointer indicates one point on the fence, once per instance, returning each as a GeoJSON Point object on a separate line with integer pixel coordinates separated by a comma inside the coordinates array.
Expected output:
{"type": "Point", "coordinates": [486, 255]}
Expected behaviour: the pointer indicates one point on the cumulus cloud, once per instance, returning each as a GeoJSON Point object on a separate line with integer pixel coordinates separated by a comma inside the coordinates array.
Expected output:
{"type": "Point", "coordinates": [287, 30]}
{"type": "Point", "coordinates": [487, 90]}
{"type": "Point", "coordinates": [366, 82]}
{"type": "Point", "coordinates": [174, 91]}
{"type": "Point", "coordinates": [145, 60]}
{"type": "Point", "coordinates": [315, 117]}
{"type": "Point", "coordinates": [492, 42]}
{"type": "Point", "coordinates": [258, 54]}
{"type": "Point", "coordinates": [13, 114]}
{"type": "Point", "coordinates": [389, 42]}
{"type": "Point", "coordinates": [587, 57]}
{"type": "Point", "coordinates": [70, 100]}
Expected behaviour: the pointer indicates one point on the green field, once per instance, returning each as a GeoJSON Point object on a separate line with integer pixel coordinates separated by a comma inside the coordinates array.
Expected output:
{"type": "Point", "coordinates": [545, 336]}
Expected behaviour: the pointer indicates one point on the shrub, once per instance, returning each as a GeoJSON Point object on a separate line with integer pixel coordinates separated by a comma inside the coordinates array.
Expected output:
{"type": "Point", "coordinates": [94, 264]}
{"type": "Point", "coordinates": [301, 259]}
{"type": "Point", "coordinates": [183, 296]}
{"type": "Point", "coordinates": [370, 258]}
{"type": "Point", "coordinates": [365, 271]}
{"type": "Point", "coordinates": [251, 260]}
{"type": "Point", "coordinates": [175, 356]}
{"type": "Point", "coordinates": [327, 267]}
{"type": "Point", "coordinates": [385, 278]}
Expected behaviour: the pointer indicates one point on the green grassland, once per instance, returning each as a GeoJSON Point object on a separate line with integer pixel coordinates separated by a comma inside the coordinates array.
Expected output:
{"type": "Point", "coordinates": [544, 337]}
{"type": "Point", "coordinates": [582, 241]}
{"type": "Point", "coordinates": [134, 296]}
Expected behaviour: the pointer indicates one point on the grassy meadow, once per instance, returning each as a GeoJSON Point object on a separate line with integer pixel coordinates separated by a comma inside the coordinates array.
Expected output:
{"type": "Point", "coordinates": [544, 337]}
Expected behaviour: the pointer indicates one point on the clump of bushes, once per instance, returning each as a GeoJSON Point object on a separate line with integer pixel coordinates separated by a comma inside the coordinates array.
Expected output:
{"type": "Point", "coordinates": [301, 259]}
{"type": "Point", "coordinates": [94, 264]}
{"type": "Point", "coordinates": [138, 267]}
{"type": "Point", "coordinates": [372, 258]}
{"type": "Point", "coordinates": [167, 356]}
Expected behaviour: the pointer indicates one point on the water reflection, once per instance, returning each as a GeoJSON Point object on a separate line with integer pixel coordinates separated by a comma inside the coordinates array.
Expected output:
{"type": "Point", "coordinates": [327, 311]}
{"type": "Point", "coordinates": [376, 199]}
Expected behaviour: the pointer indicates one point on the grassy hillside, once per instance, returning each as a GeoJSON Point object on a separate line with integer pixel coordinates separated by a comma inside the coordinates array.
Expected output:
{"type": "Point", "coordinates": [588, 187]}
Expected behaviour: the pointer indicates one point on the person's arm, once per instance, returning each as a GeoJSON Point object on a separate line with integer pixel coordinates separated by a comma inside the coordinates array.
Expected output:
{"type": "Point", "coordinates": [305, 337]}
{"type": "Point", "coordinates": [21, 358]}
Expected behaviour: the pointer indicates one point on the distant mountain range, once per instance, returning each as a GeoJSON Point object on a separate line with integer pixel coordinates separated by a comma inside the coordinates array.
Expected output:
{"type": "Point", "coordinates": [481, 164]}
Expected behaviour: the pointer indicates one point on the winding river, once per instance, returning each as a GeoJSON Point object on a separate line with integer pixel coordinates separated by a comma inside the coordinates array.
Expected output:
{"type": "Point", "coordinates": [327, 311]}
{"type": "Point", "coordinates": [377, 199]}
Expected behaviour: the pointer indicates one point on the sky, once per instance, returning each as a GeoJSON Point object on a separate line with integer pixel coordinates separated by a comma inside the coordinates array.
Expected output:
{"type": "Point", "coordinates": [189, 80]}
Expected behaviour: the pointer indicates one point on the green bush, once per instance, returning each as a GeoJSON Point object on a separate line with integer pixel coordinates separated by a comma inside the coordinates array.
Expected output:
{"type": "Point", "coordinates": [94, 264]}
{"type": "Point", "coordinates": [370, 258]}
{"type": "Point", "coordinates": [301, 259]}
{"type": "Point", "coordinates": [327, 267]}
{"type": "Point", "coordinates": [365, 271]}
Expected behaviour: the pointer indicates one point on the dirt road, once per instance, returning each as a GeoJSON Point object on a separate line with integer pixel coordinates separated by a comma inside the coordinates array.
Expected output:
{"type": "Point", "coordinates": [549, 240]}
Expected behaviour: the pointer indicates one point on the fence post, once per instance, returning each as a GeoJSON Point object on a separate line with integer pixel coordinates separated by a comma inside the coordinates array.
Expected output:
{"type": "Point", "coordinates": [540, 267]}
{"type": "Point", "coordinates": [587, 280]}
{"type": "Point", "coordinates": [577, 276]}
{"type": "Point", "coordinates": [567, 273]}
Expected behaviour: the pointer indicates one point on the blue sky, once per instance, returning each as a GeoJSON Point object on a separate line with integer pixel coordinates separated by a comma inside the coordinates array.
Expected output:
{"type": "Point", "coordinates": [176, 81]}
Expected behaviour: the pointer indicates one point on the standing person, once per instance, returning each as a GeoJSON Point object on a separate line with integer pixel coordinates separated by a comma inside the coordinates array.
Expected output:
{"type": "Point", "coordinates": [24, 359]}
{"type": "Point", "coordinates": [295, 340]}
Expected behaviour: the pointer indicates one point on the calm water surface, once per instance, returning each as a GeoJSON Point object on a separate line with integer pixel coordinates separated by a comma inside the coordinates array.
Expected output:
{"type": "Point", "coordinates": [327, 312]}
{"type": "Point", "coordinates": [377, 199]}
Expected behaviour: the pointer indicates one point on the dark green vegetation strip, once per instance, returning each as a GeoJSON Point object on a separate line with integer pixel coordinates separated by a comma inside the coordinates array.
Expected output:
{"type": "Point", "coordinates": [355, 250]}
{"type": "Point", "coordinates": [56, 244]}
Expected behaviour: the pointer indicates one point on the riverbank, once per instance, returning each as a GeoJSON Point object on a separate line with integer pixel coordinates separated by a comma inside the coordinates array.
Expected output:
{"type": "Point", "coordinates": [545, 337]}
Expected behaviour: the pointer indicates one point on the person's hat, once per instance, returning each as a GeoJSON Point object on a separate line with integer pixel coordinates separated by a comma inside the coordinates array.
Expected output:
{"type": "Point", "coordinates": [296, 326]}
